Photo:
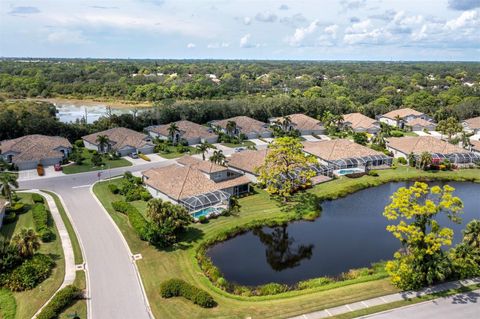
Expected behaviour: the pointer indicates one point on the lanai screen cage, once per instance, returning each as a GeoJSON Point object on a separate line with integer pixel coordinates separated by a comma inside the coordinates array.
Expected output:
{"type": "Point", "coordinates": [209, 199]}
{"type": "Point", "coordinates": [455, 158]}
{"type": "Point", "coordinates": [373, 160]}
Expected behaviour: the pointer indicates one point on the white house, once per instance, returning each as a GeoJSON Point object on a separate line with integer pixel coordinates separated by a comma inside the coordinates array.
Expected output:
{"type": "Point", "coordinates": [361, 123]}
{"type": "Point", "coordinates": [419, 124]}
{"type": "Point", "coordinates": [472, 125]}
{"type": "Point", "coordinates": [28, 151]}
{"type": "Point", "coordinates": [251, 128]}
{"type": "Point", "coordinates": [121, 140]}
{"type": "Point", "coordinates": [306, 125]}
{"type": "Point", "coordinates": [402, 116]}
{"type": "Point", "coordinates": [193, 133]}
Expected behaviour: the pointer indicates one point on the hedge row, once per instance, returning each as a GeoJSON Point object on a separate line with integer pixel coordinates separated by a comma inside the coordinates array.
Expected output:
{"type": "Point", "coordinates": [179, 287]}
{"type": "Point", "coordinates": [136, 219]}
{"type": "Point", "coordinates": [37, 198]}
{"type": "Point", "coordinates": [41, 220]}
{"type": "Point", "coordinates": [62, 300]}
{"type": "Point", "coordinates": [29, 274]}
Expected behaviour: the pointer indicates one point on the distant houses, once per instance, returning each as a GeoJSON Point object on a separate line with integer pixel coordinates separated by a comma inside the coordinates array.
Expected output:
{"type": "Point", "coordinates": [247, 162]}
{"type": "Point", "coordinates": [27, 152]}
{"type": "Point", "coordinates": [192, 133]}
{"type": "Point", "coordinates": [245, 125]}
{"type": "Point", "coordinates": [439, 149]}
{"type": "Point", "coordinates": [472, 125]}
{"type": "Point", "coordinates": [404, 117]}
{"type": "Point", "coordinates": [195, 184]}
{"type": "Point", "coordinates": [121, 140]}
{"type": "Point", "coordinates": [419, 124]}
{"type": "Point", "coordinates": [304, 124]}
{"type": "Point", "coordinates": [342, 153]}
{"type": "Point", "coordinates": [360, 123]}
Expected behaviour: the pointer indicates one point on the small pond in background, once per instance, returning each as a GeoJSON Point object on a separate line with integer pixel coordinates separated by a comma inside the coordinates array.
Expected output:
{"type": "Point", "coordinates": [350, 233]}
{"type": "Point", "coordinates": [70, 112]}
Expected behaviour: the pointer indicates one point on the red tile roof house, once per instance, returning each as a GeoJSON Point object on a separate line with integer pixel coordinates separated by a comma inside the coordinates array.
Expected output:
{"type": "Point", "coordinates": [121, 140]}
{"type": "Point", "coordinates": [306, 125]}
{"type": "Point", "coordinates": [251, 128]}
{"type": "Point", "coordinates": [475, 146]}
{"type": "Point", "coordinates": [361, 123]}
{"type": "Point", "coordinates": [419, 124]}
{"type": "Point", "coordinates": [28, 151]}
{"type": "Point", "coordinates": [472, 125]}
{"type": "Point", "coordinates": [195, 184]}
{"type": "Point", "coordinates": [440, 149]}
{"type": "Point", "coordinates": [193, 133]}
{"type": "Point", "coordinates": [3, 205]}
{"type": "Point", "coordinates": [405, 115]}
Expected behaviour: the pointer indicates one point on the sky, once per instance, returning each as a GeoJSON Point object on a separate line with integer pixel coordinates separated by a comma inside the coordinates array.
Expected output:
{"type": "Point", "coordinates": [389, 30]}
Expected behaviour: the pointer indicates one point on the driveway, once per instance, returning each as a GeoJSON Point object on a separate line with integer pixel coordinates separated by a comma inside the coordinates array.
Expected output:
{"type": "Point", "coordinates": [115, 289]}
{"type": "Point", "coordinates": [310, 138]}
{"type": "Point", "coordinates": [154, 158]}
{"type": "Point", "coordinates": [258, 142]}
{"type": "Point", "coordinates": [32, 173]}
{"type": "Point", "coordinates": [460, 306]}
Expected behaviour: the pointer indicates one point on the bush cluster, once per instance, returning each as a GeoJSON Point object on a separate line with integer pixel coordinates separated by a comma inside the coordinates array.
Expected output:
{"type": "Point", "coordinates": [113, 188]}
{"type": "Point", "coordinates": [9, 218]}
{"type": "Point", "coordinates": [37, 198]}
{"type": "Point", "coordinates": [29, 274]}
{"type": "Point", "coordinates": [41, 220]}
{"type": "Point", "coordinates": [62, 300]}
{"type": "Point", "coordinates": [121, 206]}
{"type": "Point", "coordinates": [136, 219]}
{"type": "Point", "coordinates": [179, 287]}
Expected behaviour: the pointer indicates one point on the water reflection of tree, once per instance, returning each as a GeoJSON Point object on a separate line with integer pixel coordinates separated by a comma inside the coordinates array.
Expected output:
{"type": "Point", "coordinates": [279, 248]}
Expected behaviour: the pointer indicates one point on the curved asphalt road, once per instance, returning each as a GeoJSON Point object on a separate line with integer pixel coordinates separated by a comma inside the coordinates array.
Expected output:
{"type": "Point", "coordinates": [114, 286]}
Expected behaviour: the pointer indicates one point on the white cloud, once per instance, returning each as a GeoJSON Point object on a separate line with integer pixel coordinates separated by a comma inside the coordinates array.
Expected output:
{"type": "Point", "coordinates": [301, 33]}
{"type": "Point", "coordinates": [466, 19]}
{"type": "Point", "coordinates": [283, 7]}
{"type": "Point", "coordinates": [266, 17]}
{"type": "Point", "coordinates": [331, 30]}
{"type": "Point", "coordinates": [191, 45]}
{"type": "Point", "coordinates": [365, 32]}
{"type": "Point", "coordinates": [217, 45]}
{"type": "Point", "coordinates": [67, 37]}
{"type": "Point", "coordinates": [247, 20]}
{"type": "Point", "coordinates": [244, 41]}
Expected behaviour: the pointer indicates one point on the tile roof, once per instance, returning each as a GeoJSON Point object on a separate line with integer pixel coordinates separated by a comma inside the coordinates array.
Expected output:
{"type": "Point", "coordinates": [188, 130]}
{"type": "Point", "coordinates": [248, 160]}
{"type": "Point", "coordinates": [420, 122]}
{"type": "Point", "coordinates": [473, 123]}
{"type": "Point", "coordinates": [121, 137]}
{"type": "Point", "coordinates": [179, 182]}
{"type": "Point", "coordinates": [402, 113]}
{"type": "Point", "coordinates": [34, 147]}
{"type": "Point", "coordinates": [358, 120]}
{"type": "Point", "coordinates": [302, 122]}
{"type": "Point", "coordinates": [331, 150]}
{"type": "Point", "coordinates": [245, 124]}
{"type": "Point", "coordinates": [476, 145]}
{"type": "Point", "coordinates": [420, 144]}
{"type": "Point", "coordinates": [205, 166]}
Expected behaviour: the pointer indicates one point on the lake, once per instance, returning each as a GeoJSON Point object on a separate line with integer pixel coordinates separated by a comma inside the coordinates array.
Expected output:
{"type": "Point", "coordinates": [70, 112]}
{"type": "Point", "coordinates": [350, 233]}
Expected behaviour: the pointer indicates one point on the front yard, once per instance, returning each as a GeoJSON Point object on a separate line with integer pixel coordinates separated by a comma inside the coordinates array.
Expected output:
{"type": "Point", "coordinates": [170, 151]}
{"type": "Point", "coordinates": [160, 265]}
{"type": "Point", "coordinates": [87, 165]}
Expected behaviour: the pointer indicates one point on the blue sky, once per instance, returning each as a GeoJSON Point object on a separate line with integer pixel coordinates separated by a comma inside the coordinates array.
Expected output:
{"type": "Point", "coordinates": [243, 29]}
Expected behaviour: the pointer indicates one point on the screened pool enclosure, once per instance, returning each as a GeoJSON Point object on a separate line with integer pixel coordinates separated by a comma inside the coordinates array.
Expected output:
{"type": "Point", "coordinates": [370, 160]}
{"type": "Point", "coordinates": [209, 199]}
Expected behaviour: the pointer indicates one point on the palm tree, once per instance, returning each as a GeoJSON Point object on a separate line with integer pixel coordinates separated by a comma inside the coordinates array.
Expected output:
{"type": "Point", "coordinates": [231, 128]}
{"type": "Point", "coordinates": [172, 131]}
{"type": "Point", "coordinates": [411, 159]}
{"type": "Point", "coordinates": [3, 164]}
{"type": "Point", "coordinates": [103, 142]}
{"type": "Point", "coordinates": [7, 182]}
{"type": "Point", "coordinates": [425, 160]}
{"type": "Point", "coordinates": [218, 157]}
{"type": "Point", "coordinates": [286, 123]}
{"type": "Point", "coordinates": [379, 139]}
{"type": "Point", "coordinates": [398, 119]}
{"type": "Point", "coordinates": [385, 129]}
{"type": "Point", "coordinates": [471, 234]}
{"type": "Point", "coordinates": [26, 242]}
{"type": "Point", "coordinates": [204, 147]}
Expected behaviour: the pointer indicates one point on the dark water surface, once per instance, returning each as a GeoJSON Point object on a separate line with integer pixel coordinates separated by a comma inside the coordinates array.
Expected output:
{"type": "Point", "coordinates": [349, 234]}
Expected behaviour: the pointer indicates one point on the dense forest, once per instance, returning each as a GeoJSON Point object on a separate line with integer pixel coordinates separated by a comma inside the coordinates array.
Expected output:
{"type": "Point", "coordinates": [206, 90]}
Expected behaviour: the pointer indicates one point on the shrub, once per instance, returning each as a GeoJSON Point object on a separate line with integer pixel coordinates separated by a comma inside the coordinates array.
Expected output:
{"type": "Point", "coordinates": [121, 206]}
{"type": "Point", "coordinates": [17, 208]}
{"type": "Point", "coordinates": [373, 173]}
{"type": "Point", "coordinates": [41, 219]}
{"type": "Point", "coordinates": [133, 195]}
{"type": "Point", "coordinates": [29, 274]}
{"type": "Point", "coordinates": [59, 302]}
{"type": "Point", "coordinates": [138, 222]}
{"type": "Point", "coordinates": [180, 288]}
{"type": "Point", "coordinates": [113, 188]}
{"type": "Point", "coordinates": [271, 289]}
{"type": "Point", "coordinates": [37, 198]}
{"type": "Point", "coordinates": [146, 196]}
{"type": "Point", "coordinates": [202, 219]}
{"type": "Point", "coordinates": [315, 282]}
{"type": "Point", "coordinates": [396, 134]}
{"type": "Point", "coordinates": [402, 160]}
{"type": "Point", "coordinates": [9, 218]}
{"type": "Point", "coordinates": [79, 143]}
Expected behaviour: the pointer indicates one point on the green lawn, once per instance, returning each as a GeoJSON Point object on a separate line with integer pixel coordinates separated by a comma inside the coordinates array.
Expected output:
{"type": "Point", "coordinates": [87, 165]}
{"type": "Point", "coordinates": [159, 265]}
{"type": "Point", "coordinates": [79, 307]}
{"type": "Point", "coordinates": [28, 302]}
{"type": "Point", "coordinates": [172, 152]}
{"type": "Point", "coordinates": [243, 144]}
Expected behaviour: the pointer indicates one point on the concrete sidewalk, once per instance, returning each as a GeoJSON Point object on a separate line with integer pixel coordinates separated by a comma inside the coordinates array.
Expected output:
{"type": "Point", "coordinates": [68, 254]}
{"type": "Point", "coordinates": [387, 299]}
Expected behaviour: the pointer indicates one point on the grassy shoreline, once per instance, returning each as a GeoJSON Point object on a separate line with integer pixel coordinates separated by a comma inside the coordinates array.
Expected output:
{"type": "Point", "coordinates": [159, 265]}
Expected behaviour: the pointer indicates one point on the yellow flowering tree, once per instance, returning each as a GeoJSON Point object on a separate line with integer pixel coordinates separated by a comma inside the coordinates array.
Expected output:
{"type": "Point", "coordinates": [286, 168]}
{"type": "Point", "coordinates": [421, 260]}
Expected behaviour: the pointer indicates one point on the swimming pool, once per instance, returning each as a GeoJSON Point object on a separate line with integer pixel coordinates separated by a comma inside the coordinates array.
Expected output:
{"type": "Point", "coordinates": [349, 171]}
{"type": "Point", "coordinates": [206, 212]}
